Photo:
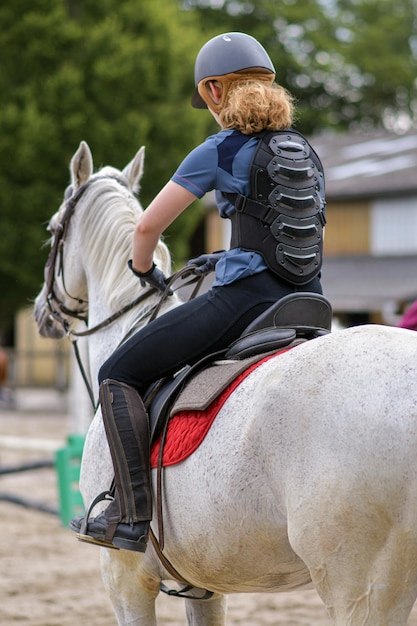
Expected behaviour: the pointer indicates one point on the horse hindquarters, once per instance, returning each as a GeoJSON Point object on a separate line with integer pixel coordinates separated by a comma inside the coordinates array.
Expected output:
{"type": "Point", "coordinates": [348, 452]}
{"type": "Point", "coordinates": [361, 551]}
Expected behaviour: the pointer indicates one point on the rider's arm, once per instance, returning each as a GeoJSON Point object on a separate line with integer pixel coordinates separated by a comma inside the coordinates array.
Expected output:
{"type": "Point", "coordinates": [171, 201]}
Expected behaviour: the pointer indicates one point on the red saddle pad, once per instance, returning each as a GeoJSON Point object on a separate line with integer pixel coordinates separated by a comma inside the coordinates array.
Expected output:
{"type": "Point", "coordinates": [187, 429]}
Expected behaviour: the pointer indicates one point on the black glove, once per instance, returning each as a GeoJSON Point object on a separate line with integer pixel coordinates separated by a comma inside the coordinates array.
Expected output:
{"type": "Point", "coordinates": [205, 262]}
{"type": "Point", "coordinates": [154, 277]}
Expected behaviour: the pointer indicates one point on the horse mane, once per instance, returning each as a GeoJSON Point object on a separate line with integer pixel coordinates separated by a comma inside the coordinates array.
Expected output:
{"type": "Point", "coordinates": [106, 230]}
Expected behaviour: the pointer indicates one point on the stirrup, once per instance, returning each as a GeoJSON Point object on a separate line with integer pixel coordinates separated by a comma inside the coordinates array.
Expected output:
{"type": "Point", "coordinates": [83, 535]}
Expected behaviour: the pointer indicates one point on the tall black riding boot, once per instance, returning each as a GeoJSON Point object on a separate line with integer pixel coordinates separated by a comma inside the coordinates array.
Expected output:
{"type": "Point", "coordinates": [125, 522]}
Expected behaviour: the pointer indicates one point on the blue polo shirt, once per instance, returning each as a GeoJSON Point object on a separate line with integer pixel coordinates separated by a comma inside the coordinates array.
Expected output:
{"type": "Point", "coordinates": [222, 163]}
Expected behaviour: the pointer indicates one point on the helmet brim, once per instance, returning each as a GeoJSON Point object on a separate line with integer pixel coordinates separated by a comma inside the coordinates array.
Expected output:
{"type": "Point", "coordinates": [197, 101]}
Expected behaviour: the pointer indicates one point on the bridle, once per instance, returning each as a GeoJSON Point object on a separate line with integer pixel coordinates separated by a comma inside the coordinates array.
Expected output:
{"type": "Point", "coordinates": [55, 264]}
{"type": "Point", "coordinates": [55, 267]}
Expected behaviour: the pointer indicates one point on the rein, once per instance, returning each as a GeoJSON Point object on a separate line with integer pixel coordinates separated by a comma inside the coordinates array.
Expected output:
{"type": "Point", "coordinates": [112, 318]}
{"type": "Point", "coordinates": [153, 313]}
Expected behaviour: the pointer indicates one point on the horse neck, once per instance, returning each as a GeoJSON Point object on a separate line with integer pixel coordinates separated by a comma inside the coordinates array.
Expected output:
{"type": "Point", "coordinates": [104, 231]}
{"type": "Point", "coordinates": [106, 228]}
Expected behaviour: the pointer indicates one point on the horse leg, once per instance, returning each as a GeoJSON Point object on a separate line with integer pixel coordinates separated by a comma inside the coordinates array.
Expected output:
{"type": "Point", "coordinates": [133, 591]}
{"type": "Point", "coordinates": [206, 612]}
{"type": "Point", "coordinates": [362, 561]}
{"type": "Point", "coordinates": [377, 594]}
{"type": "Point", "coordinates": [131, 588]}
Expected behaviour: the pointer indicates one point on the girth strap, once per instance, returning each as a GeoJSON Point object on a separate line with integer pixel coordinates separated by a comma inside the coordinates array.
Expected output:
{"type": "Point", "coordinates": [182, 593]}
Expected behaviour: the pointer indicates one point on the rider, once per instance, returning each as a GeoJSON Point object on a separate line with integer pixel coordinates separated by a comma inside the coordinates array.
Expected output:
{"type": "Point", "coordinates": [234, 79]}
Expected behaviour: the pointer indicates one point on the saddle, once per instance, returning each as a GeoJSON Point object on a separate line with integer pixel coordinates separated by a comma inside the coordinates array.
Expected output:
{"type": "Point", "coordinates": [291, 320]}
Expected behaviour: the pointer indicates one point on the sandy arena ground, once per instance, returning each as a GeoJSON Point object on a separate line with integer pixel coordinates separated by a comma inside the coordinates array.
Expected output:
{"type": "Point", "coordinates": [50, 579]}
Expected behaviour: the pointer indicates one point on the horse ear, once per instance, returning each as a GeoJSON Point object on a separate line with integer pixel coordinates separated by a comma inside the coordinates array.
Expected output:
{"type": "Point", "coordinates": [81, 166]}
{"type": "Point", "coordinates": [134, 170]}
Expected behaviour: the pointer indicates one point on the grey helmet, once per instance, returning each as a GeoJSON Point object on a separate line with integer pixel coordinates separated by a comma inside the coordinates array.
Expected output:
{"type": "Point", "coordinates": [227, 54]}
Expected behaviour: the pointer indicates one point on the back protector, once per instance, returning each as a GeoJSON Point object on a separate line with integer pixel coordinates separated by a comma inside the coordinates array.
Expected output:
{"type": "Point", "coordinates": [284, 216]}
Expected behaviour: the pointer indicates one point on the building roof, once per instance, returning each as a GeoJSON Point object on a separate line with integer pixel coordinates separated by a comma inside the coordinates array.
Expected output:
{"type": "Point", "coordinates": [366, 283]}
{"type": "Point", "coordinates": [365, 165]}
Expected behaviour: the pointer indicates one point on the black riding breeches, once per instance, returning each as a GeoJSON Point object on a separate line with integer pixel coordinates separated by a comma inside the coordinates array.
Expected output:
{"type": "Point", "coordinates": [189, 332]}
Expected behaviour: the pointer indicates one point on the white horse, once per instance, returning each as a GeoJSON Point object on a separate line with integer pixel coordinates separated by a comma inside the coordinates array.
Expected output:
{"type": "Point", "coordinates": [308, 476]}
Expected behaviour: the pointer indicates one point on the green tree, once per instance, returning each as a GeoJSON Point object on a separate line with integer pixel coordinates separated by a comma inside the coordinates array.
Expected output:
{"type": "Point", "coordinates": [349, 63]}
{"type": "Point", "coordinates": [116, 73]}
{"type": "Point", "coordinates": [380, 48]}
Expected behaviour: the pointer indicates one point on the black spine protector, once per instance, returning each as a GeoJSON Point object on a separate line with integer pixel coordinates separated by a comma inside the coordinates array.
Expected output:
{"type": "Point", "coordinates": [284, 216]}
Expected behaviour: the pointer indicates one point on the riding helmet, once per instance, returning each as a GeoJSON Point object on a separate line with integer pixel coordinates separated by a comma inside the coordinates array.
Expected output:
{"type": "Point", "coordinates": [228, 54]}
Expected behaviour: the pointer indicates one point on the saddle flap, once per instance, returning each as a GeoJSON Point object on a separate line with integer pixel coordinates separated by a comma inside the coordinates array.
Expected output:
{"type": "Point", "coordinates": [159, 406]}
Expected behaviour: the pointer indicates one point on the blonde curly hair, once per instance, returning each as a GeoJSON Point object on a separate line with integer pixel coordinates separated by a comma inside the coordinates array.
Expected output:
{"type": "Point", "coordinates": [254, 105]}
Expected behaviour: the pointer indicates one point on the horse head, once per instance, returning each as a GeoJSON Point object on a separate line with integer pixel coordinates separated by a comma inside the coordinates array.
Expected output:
{"type": "Point", "coordinates": [91, 237]}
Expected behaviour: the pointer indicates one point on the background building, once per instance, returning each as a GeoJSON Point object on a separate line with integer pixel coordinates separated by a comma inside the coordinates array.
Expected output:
{"type": "Point", "coordinates": [370, 261]}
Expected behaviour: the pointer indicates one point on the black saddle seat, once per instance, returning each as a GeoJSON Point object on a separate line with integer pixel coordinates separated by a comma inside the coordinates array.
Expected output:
{"type": "Point", "coordinates": [306, 312]}
{"type": "Point", "coordinates": [298, 315]}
